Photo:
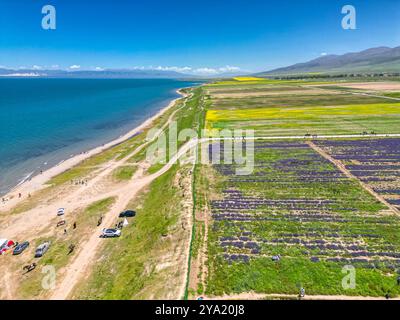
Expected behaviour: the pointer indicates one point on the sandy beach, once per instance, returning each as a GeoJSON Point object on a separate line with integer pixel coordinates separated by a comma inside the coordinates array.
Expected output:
{"type": "Point", "coordinates": [39, 181]}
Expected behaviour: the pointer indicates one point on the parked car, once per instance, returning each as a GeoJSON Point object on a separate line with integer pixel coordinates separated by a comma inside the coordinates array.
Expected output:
{"type": "Point", "coordinates": [5, 245]}
{"type": "Point", "coordinates": [20, 248]}
{"type": "Point", "coordinates": [110, 233]}
{"type": "Point", "coordinates": [60, 212]}
{"type": "Point", "coordinates": [42, 249]}
{"type": "Point", "coordinates": [127, 214]}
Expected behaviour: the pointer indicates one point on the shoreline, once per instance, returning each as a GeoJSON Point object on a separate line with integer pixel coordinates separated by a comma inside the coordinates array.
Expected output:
{"type": "Point", "coordinates": [38, 180]}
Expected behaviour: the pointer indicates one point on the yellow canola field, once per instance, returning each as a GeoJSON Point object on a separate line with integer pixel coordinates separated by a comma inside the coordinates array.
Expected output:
{"type": "Point", "coordinates": [301, 112]}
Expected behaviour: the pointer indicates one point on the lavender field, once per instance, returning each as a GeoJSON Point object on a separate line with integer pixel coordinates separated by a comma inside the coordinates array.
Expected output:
{"type": "Point", "coordinates": [297, 205]}
{"type": "Point", "coordinates": [373, 161]}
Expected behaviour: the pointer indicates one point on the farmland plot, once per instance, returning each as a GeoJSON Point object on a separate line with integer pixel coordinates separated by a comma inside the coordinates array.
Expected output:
{"type": "Point", "coordinates": [292, 108]}
{"type": "Point", "coordinates": [298, 205]}
{"type": "Point", "coordinates": [287, 121]}
{"type": "Point", "coordinates": [290, 99]}
{"type": "Point", "coordinates": [373, 161]}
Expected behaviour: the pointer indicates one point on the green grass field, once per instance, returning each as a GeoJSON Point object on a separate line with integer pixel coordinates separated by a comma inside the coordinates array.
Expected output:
{"type": "Point", "coordinates": [124, 173]}
{"type": "Point", "coordinates": [127, 266]}
{"type": "Point", "coordinates": [294, 100]}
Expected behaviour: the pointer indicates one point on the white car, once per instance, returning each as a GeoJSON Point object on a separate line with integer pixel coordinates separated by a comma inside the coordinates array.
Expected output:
{"type": "Point", "coordinates": [42, 249]}
{"type": "Point", "coordinates": [60, 212]}
{"type": "Point", "coordinates": [110, 233]}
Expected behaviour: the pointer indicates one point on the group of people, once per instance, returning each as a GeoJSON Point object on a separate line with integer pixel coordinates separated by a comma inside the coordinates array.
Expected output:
{"type": "Point", "coordinates": [79, 182]}
{"type": "Point", "coordinates": [4, 200]}
{"type": "Point", "coordinates": [119, 225]}
{"type": "Point", "coordinates": [314, 136]}
{"type": "Point", "coordinates": [73, 227]}
{"type": "Point", "coordinates": [366, 133]}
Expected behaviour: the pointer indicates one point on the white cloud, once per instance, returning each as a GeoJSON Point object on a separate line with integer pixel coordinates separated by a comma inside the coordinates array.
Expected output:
{"type": "Point", "coordinates": [75, 67]}
{"type": "Point", "coordinates": [205, 71]}
{"type": "Point", "coordinates": [229, 69]}
{"type": "Point", "coordinates": [55, 66]}
{"type": "Point", "coordinates": [202, 71]}
{"type": "Point", "coordinates": [99, 69]}
{"type": "Point", "coordinates": [173, 68]}
{"type": "Point", "coordinates": [323, 54]}
{"type": "Point", "coordinates": [216, 71]}
{"type": "Point", "coordinates": [36, 67]}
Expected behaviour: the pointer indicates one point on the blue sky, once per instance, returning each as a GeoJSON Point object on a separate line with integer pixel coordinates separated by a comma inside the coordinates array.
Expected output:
{"type": "Point", "coordinates": [252, 35]}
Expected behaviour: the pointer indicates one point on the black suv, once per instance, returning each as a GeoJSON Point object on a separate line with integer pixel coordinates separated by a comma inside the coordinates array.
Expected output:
{"type": "Point", "coordinates": [127, 214]}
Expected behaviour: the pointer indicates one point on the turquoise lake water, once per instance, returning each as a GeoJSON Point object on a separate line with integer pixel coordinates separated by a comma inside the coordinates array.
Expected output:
{"type": "Point", "coordinates": [45, 121]}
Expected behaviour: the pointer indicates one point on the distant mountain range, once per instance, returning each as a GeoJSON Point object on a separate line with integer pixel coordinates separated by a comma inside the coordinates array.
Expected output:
{"type": "Point", "coordinates": [109, 74]}
{"type": "Point", "coordinates": [374, 60]}
{"type": "Point", "coordinates": [117, 73]}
